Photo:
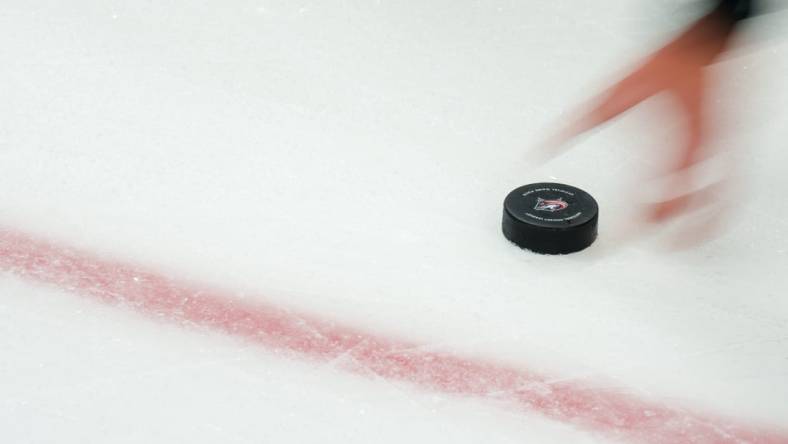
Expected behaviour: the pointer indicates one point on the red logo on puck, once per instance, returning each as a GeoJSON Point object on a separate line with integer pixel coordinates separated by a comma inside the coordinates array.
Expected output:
{"type": "Point", "coordinates": [551, 205]}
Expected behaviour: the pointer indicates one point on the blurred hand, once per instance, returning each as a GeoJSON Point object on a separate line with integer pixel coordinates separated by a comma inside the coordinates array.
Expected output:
{"type": "Point", "coordinates": [679, 69]}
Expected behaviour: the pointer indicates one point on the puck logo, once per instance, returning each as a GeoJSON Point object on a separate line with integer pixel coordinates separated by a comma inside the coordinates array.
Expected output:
{"type": "Point", "coordinates": [550, 205]}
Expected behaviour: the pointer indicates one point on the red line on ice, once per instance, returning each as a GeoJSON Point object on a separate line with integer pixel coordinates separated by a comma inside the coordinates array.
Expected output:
{"type": "Point", "coordinates": [614, 414]}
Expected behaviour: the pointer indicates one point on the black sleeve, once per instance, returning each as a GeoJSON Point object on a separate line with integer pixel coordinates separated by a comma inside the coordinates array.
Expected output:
{"type": "Point", "coordinates": [735, 10]}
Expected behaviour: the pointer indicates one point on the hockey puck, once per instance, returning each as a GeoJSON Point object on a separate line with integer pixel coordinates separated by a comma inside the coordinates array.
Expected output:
{"type": "Point", "coordinates": [550, 218]}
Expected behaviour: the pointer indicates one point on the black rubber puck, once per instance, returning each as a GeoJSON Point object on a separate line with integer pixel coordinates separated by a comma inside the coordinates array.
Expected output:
{"type": "Point", "coordinates": [550, 218]}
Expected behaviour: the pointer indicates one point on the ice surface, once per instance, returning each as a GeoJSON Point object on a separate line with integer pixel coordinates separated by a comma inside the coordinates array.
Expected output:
{"type": "Point", "coordinates": [350, 159]}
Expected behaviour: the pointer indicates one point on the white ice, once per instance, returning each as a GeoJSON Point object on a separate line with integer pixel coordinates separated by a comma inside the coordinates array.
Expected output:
{"type": "Point", "coordinates": [349, 158]}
